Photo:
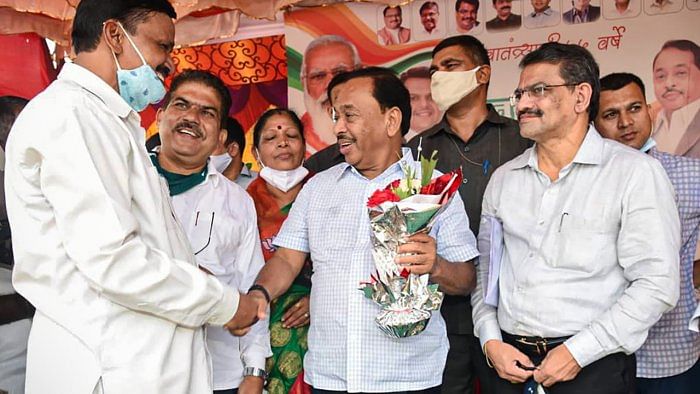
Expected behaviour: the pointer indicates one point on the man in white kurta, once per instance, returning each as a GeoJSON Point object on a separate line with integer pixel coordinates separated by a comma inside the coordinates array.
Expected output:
{"type": "Point", "coordinates": [119, 302]}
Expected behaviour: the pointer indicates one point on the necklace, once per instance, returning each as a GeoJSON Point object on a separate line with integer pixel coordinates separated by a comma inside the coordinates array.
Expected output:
{"type": "Point", "coordinates": [486, 164]}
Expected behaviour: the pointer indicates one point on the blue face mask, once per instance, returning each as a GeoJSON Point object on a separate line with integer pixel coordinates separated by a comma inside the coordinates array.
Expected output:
{"type": "Point", "coordinates": [648, 145]}
{"type": "Point", "coordinates": [140, 86]}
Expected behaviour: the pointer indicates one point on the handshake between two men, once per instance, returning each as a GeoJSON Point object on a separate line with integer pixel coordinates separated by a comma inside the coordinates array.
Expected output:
{"type": "Point", "coordinates": [251, 308]}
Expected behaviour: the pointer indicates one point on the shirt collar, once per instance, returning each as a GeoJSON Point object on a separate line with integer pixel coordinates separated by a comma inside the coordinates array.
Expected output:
{"type": "Point", "coordinates": [245, 171]}
{"type": "Point", "coordinates": [547, 11]}
{"type": "Point", "coordinates": [590, 152]}
{"type": "Point", "coordinates": [648, 145]}
{"type": "Point", "coordinates": [406, 159]}
{"type": "Point", "coordinates": [89, 81]}
{"type": "Point", "coordinates": [492, 117]}
{"type": "Point", "coordinates": [212, 173]}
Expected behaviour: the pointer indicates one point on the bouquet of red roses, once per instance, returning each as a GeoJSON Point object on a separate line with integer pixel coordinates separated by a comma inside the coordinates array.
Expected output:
{"type": "Point", "coordinates": [405, 207]}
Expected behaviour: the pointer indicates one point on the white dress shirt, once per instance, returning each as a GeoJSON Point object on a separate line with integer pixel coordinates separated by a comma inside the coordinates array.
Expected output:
{"type": "Point", "coordinates": [120, 301]}
{"type": "Point", "coordinates": [669, 132]}
{"type": "Point", "coordinates": [219, 219]}
{"type": "Point", "coordinates": [347, 351]}
{"type": "Point", "coordinates": [611, 11]}
{"type": "Point", "coordinates": [592, 255]}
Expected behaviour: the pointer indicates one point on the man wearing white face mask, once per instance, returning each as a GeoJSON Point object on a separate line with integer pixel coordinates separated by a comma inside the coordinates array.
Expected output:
{"type": "Point", "coordinates": [120, 302]}
{"type": "Point", "coordinates": [227, 158]}
{"type": "Point", "coordinates": [474, 136]}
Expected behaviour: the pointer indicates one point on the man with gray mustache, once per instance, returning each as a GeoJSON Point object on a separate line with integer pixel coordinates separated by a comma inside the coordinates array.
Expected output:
{"type": "Point", "coordinates": [590, 240]}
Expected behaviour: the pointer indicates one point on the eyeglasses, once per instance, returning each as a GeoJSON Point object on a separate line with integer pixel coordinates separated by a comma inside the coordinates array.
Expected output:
{"type": "Point", "coordinates": [211, 227]}
{"type": "Point", "coordinates": [535, 92]}
{"type": "Point", "coordinates": [318, 77]}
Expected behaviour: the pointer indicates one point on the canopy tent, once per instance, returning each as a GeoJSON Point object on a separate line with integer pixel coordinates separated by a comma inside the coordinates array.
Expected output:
{"type": "Point", "coordinates": [198, 20]}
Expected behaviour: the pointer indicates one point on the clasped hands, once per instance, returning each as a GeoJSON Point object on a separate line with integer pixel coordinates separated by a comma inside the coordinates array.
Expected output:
{"type": "Point", "coordinates": [514, 366]}
{"type": "Point", "coordinates": [251, 308]}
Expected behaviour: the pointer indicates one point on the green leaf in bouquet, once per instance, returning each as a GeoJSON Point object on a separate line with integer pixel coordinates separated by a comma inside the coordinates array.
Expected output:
{"type": "Point", "coordinates": [368, 291]}
{"type": "Point", "coordinates": [427, 166]}
{"type": "Point", "coordinates": [416, 221]}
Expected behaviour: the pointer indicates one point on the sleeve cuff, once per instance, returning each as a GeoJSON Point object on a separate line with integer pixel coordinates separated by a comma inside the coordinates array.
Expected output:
{"type": "Point", "coordinates": [256, 360]}
{"type": "Point", "coordinates": [226, 308]}
{"type": "Point", "coordinates": [488, 331]}
{"type": "Point", "coordinates": [584, 347]}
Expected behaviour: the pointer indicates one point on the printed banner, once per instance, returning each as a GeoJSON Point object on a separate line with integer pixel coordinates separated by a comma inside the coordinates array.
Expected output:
{"type": "Point", "coordinates": [623, 35]}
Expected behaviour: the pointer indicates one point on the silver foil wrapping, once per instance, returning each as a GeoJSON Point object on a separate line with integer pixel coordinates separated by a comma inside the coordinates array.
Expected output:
{"type": "Point", "coordinates": [407, 300]}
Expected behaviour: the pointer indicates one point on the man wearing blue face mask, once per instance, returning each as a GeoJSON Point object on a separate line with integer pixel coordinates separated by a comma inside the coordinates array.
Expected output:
{"type": "Point", "coordinates": [119, 299]}
{"type": "Point", "coordinates": [474, 136]}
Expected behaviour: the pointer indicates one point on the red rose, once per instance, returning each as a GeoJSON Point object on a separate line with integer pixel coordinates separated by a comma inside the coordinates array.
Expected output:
{"type": "Point", "coordinates": [381, 196]}
{"type": "Point", "coordinates": [438, 185]}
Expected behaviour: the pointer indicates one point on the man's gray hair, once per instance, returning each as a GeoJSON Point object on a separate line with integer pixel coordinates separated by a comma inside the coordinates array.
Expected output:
{"type": "Point", "coordinates": [326, 40]}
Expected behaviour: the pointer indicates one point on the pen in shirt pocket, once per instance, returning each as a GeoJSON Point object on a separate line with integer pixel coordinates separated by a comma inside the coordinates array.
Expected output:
{"type": "Point", "coordinates": [561, 220]}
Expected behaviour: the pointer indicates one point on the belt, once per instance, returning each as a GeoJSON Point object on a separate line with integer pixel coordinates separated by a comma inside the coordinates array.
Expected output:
{"type": "Point", "coordinates": [539, 344]}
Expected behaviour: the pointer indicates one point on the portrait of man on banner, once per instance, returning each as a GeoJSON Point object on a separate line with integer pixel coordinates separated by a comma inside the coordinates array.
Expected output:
{"type": "Point", "coordinates": [324, 57]}
{"type": "Point", "coordinates": [676, 72]}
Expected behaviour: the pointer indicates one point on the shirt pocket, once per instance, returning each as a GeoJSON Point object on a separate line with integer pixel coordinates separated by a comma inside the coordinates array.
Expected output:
{"type": "Point", "coordinates": [332, 233]}
{"type": "Point", "coordinates": [583, 242]}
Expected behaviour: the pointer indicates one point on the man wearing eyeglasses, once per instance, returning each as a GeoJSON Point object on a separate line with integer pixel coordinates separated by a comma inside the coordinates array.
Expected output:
{"type": "Point", "coordinates": [473, 136]}
{"type": "Point", "coordinates": [324, 58]}
{"type": "Point", "coordinates": [590, 236]}
{"type": "Point", "coordinates": [217, 215]}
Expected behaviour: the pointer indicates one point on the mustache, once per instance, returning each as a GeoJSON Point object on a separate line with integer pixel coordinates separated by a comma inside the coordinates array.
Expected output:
{"type": "Point", "coordinates": [344, 137]}
{"type": "Point", "coordinates": [672, 90]}
{"type": "Point", "coordinates": [186, 124]}
{"type": "Point", "coordinates": [530, 111]}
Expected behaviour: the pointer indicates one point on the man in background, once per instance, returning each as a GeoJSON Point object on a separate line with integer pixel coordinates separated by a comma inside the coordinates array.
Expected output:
{"type": "Point", "coordinates": [227, 158]}
{"type": "Point", "coordinates": [668, 360]}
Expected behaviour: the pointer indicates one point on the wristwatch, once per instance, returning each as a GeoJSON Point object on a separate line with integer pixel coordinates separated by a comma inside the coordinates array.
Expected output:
{"type": "Point", "coordinates": [252, 371]}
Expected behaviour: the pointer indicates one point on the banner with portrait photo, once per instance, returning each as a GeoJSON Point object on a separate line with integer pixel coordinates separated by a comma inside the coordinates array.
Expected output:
{"type": "Point", "coordinates": [623, 35]}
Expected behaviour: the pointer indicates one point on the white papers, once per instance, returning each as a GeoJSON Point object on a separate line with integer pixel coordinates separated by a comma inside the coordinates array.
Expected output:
{"type": "Point", "coordinates": [495, 255]}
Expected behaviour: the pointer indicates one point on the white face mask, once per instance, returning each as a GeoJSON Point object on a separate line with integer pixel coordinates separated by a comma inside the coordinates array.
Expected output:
{"type": "Point", "coordinates": [221, 162]}
{"type": "Point", "coordinates": [282, 179]}
{"type": "Point", "coordinates": [448, 87]}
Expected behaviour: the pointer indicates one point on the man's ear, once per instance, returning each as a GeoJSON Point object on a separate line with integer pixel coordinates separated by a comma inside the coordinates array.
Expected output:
{"type": "Point", "coordinates": [113, 36]}
{"type": "Point", "coordinates": [583, 94]}
{"type": "Point", "coordinates": [234, 150]}
{"type": "Point", "coordinates": [483, 76]}
{"type": "Point", "coordinates": [223, 133]}
{"type": "Point", "coordinates": [393, 118]}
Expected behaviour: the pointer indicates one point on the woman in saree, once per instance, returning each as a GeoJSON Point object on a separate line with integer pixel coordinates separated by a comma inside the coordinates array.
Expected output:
{"type": "Point", "coordinates": [279, 148]}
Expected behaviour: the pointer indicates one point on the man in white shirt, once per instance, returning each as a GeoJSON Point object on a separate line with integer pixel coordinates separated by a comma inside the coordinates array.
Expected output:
{"type": "Point", "coordinates": [429, 13]}
{"type": "Point", "coordinates": [676, 70]}
{"type": "Point", "coordinates": [120, 302]}
{"type": "Point", "coordinates": [591, 237]}
{"type": "Point", "coordinates": [542, 15]}
{"type": "Point", "coordinates": [217, 215]}
{"type": "Point", "coordinates": [393, 33]}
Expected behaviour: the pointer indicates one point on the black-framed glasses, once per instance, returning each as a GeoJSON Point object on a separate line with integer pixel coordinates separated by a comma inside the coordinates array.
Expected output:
{"type": "Point", "coordinates": [536, 91]}
{"type": "Point", "coordinates": [211, 228]}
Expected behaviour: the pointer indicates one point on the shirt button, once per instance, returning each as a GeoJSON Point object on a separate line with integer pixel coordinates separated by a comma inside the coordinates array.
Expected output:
{"type": "Point", "coordinates": [464, 180]}
{"type": "Point", "coordinates": [530, 255]}
{"type": "Point", "coordinates": [541, 222]}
